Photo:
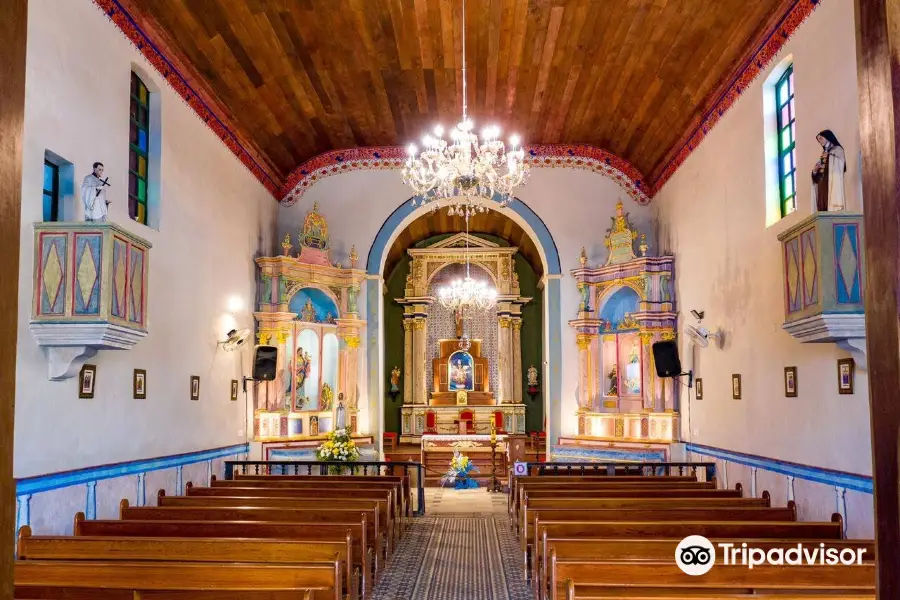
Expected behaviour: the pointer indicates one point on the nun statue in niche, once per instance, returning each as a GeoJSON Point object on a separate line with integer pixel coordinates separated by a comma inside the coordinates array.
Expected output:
{"type": "Point", "coordinates": [828, 174]}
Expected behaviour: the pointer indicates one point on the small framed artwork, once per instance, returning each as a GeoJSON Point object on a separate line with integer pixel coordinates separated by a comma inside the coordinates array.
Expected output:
{"type": "Point", "coordinates": [234, 390]}
{"type": "Point", "coordinates": [195, 387]}
{"type": "Point", "coordinates": [845, 375]}
{"type": "Point", "coordinates": [699, 390]}
{"type": "Point", "coordinates": [736, 386]}
{"type": "Point", "coordinates": [139, 384]}
{"type": "Point", "coordinates": [86, 380]}
{"type": "Point", "coordinates": [790, 382]}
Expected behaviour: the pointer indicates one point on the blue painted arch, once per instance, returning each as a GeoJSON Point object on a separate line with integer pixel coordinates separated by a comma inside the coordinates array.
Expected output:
{"type": "Point", "coordinates": [394, 222]}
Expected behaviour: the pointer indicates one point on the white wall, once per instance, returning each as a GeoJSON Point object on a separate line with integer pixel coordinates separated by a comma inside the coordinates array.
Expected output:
{"type": "Point", "coordinates": [215, 218]}
{"type": "Point", "coordinates": [712, 216]}
{"type": "Point", "coordinates": [575, 205]}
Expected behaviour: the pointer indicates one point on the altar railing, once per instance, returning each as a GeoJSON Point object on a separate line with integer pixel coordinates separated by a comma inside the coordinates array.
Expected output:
{"type": "Point", "coordinates": [612, 469]}
{"type": "Point", "coordinates": [326, 468]}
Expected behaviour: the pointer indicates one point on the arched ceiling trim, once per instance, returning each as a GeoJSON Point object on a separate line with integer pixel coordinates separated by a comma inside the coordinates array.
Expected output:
{"type": "Point", "coordinates": [162, 51]}
{"type": "Point", "coordinates": [578, 156]}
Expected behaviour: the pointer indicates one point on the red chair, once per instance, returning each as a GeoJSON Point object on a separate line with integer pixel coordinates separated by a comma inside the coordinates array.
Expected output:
{"type": "Point", "coordinates": [390, 441]}
{"type": "Point", "coordinates": [467, 416]}
{"type": "Point", "coordinates": [498, 422]}
{"type": "Point", "coordinates": [430, 421]}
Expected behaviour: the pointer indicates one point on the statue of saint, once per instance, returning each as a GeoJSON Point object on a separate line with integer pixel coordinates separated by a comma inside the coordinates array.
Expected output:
{"type": "Point", "coordinates": [633, 358]}
{"type": "Point", "coordinates": [613, 382]}
{"type": "Point", "coordinates": [459, 316]}
{"type": "Point", "coordinates": [96, 206]}
{"type": "Point", "coordinates": [532, 376]}
{"type": "Point", "coordinates": [395, 379]}
{"type": "Point", "coordinates": [828, 174]}
{"type": "Point", "coordinates": [304, 365]}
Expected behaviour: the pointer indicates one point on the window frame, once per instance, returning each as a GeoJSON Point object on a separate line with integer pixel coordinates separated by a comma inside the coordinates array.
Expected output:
{"type": "Point", "coordinates": [53, 193]}
{"type": "Point", "coordinates": [787, 199]}
{"type": "Point", "coordinates": [138, 107]}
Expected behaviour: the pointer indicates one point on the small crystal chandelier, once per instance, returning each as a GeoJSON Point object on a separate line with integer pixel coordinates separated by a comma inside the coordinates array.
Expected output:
{"type": "Point", "coordinates": [468, 293]}
{"type": "Point", "coordinates": [467, 168]}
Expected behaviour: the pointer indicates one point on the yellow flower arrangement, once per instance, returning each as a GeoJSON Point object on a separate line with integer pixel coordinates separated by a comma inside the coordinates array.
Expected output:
{"type": "Point", "coordinates": [338, 447]}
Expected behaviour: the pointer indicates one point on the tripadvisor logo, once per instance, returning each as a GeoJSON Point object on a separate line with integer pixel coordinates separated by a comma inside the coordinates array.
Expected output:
{"type": "Point", "coordinates": [696, 555]}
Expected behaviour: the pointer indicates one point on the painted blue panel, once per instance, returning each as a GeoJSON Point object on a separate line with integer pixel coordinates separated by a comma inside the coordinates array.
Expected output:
{"type": "Point", "coordinates": [393, 222]}
{"type": "Point", "coordinates": [88, 304]}
{"type": "Point", "coordinates": [135, 283]}
{"type": "Point", "coordinates": [120, 249]}
{"type": "Point", "coordinates": [582, 454]}
{"type": "Point", "coordinates": [54, 304]}
{"type": "Point", "coordinates": [622, 302]}
{"type": "Point", "coordinates": [322, 303]}
{"type": "Point", "coordinates": [850, 481]}
{"type": "Point", "coordinates": [853, 295]}
{"type": "Point", "coordinates": [43, 483]}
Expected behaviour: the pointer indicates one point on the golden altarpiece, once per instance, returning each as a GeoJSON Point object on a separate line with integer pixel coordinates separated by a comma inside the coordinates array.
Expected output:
{"type": "Point", "coordinates": [625, 306]}
{"type": "Point", "coordinates": [469, 388]}
{"type": "Point", "coordinates": [308, 309]}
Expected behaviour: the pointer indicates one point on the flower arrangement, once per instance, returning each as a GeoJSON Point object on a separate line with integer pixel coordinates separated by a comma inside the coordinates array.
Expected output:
{"type": "Point", "coordinates": [338, 447]}
{"type": "Point", "coordinates": [460, 467]}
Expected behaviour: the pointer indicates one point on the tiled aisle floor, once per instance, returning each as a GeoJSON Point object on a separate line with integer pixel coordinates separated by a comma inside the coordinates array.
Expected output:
{"type": "Point", "coordinates": [463, 549]}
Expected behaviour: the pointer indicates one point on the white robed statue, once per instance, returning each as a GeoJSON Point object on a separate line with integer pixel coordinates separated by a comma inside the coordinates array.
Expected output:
{"type": "Point", "coordinates": [93, 195]}
{"type": "Point", "coordinates": [828, 174]}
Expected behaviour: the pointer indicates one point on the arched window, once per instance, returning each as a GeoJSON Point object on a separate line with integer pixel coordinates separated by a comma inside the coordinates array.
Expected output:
{"type": "Point", "coordinates": [787, 162]}
{"type": "Point", "coordinates": [138, 150]}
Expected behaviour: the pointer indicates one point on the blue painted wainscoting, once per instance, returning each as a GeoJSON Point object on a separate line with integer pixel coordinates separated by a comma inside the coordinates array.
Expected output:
{"type": "Point", "coordinates": [48, 503]}
{"type": "Point", "coordinates": [818, 492]}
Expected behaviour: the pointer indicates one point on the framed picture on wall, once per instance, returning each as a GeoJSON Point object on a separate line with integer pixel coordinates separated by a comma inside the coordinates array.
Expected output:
{"type": "Point", "coordinates": [234, 390]}
{"type": "Point", "coordinates": [699, 389]}
{"type": "Point", "coordinates": [736, 386]}
{"type": "Point", "coordinates": [846, 368]}
{"type": "Point", "coordinates": [790, 382]}
{"type": "Point", "coordinates": [139, 384]}
{"type": "Point", "coordinates": [87, 377]}
{"type": "Point", "coordinates": [195, 387]}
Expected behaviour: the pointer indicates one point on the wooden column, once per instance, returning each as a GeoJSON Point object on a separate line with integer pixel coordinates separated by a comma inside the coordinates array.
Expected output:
{"type": "Point", "coordinates": [878, 61]}
{"type": "Point", "coordinates": [13, 22]}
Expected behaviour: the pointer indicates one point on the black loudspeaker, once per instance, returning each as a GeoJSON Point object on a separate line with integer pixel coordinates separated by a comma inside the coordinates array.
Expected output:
{"type": "Point", "coordinates": [265, 359]}
{"type": "Point", "coordinates": [665, 355]}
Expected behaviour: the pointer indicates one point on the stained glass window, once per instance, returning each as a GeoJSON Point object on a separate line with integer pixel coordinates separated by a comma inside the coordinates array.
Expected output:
{"type": "Point", "coordinates": [138, 148]}
{"type": "Point", "coordinates": [787, 161]}
{"type": "Point", "coordinates": [51, 191]}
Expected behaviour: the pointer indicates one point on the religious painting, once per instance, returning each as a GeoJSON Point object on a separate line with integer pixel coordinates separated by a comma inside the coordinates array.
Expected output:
{"type": "Point", "coordinates": [845, 375]}
{"type": "Point", "coordinates": [86, 379]}
{"type": "Point", "coordinates": [790, 382]}
{"type": "Point", "coordinates": [736, 386]}
{"type": "Point", "coordinates": [234, 390]}
{"type": "Point", "coordinates": [698, 387]}
{"type": "Point", "coordinates": [195, 387]}
{"type": "Point", "coordinates": [461, 372]}
{"type": "Point", "coordinates": [139, 384]}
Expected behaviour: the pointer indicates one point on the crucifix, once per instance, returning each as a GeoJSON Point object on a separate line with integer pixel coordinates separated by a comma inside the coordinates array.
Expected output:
{"type": "Point", "coordinates": [460, 316]}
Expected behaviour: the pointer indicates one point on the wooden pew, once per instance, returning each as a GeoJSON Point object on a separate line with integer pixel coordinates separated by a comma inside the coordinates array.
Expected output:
{"type": "Point", "coordinates": [654, 550]}
{"type": "Point", "coordinates": [330, 514]}
{"type": "Point", "coordinates": [336, 490]}
{"type": "Point", "coordinates": [30, 547]}
{"type": "Point", "coordinates": [108, 580]}
{"type": "Point", "coordinates": [715, 514]}
{"type": "Point", "coordinates": [561, 481]}
{"type": "Point", "coordinates": [627, 578]}
{"type": "Point", "coordinates": [592, 502]}
{"type": "Point", "coordinates": [300, 501]}
{"type": "Point", "coordinates": [363, 555]}
{"type": "Point", "coordinates": [404, 490]}
{"type": "Point", "coordinates": [626, 492]}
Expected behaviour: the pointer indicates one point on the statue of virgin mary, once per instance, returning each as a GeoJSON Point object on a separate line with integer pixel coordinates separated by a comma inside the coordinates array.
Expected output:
{"type": "Point", "coordinates": [828, 174]}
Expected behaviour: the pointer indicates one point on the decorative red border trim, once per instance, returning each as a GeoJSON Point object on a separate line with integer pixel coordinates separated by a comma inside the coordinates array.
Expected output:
{"type": "Point", "coordinates": [771, 45]}
{"type": "Point", "coordinates": [123, 20]}
{"type": "Point", "coordinates": [574, 156]}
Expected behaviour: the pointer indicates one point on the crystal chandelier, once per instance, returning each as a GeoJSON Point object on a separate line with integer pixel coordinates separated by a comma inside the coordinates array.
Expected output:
{"type": "Point", "coordinates": [468, 293]}
{"type": "Point", "coordinates": [466, 168]}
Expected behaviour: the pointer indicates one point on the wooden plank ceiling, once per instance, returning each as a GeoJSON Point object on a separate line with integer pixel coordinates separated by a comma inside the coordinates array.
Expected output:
{"type": "Point", "coordinates": [301, 77]}
{"type": "Point", "coordinates": [438, 222]}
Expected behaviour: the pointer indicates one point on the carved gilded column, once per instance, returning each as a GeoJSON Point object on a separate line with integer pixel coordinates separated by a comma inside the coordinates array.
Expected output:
{"type": "Point", "coordinates": [517, 359]}
{"type": "Point", "coordinates": [585, 374]}
{"type": "Point", "coordinates": [407, 361]}
{"type": "Point", "coordinates": [505, 359]}
{"type": "Point", "coordinates": [420, 388]}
